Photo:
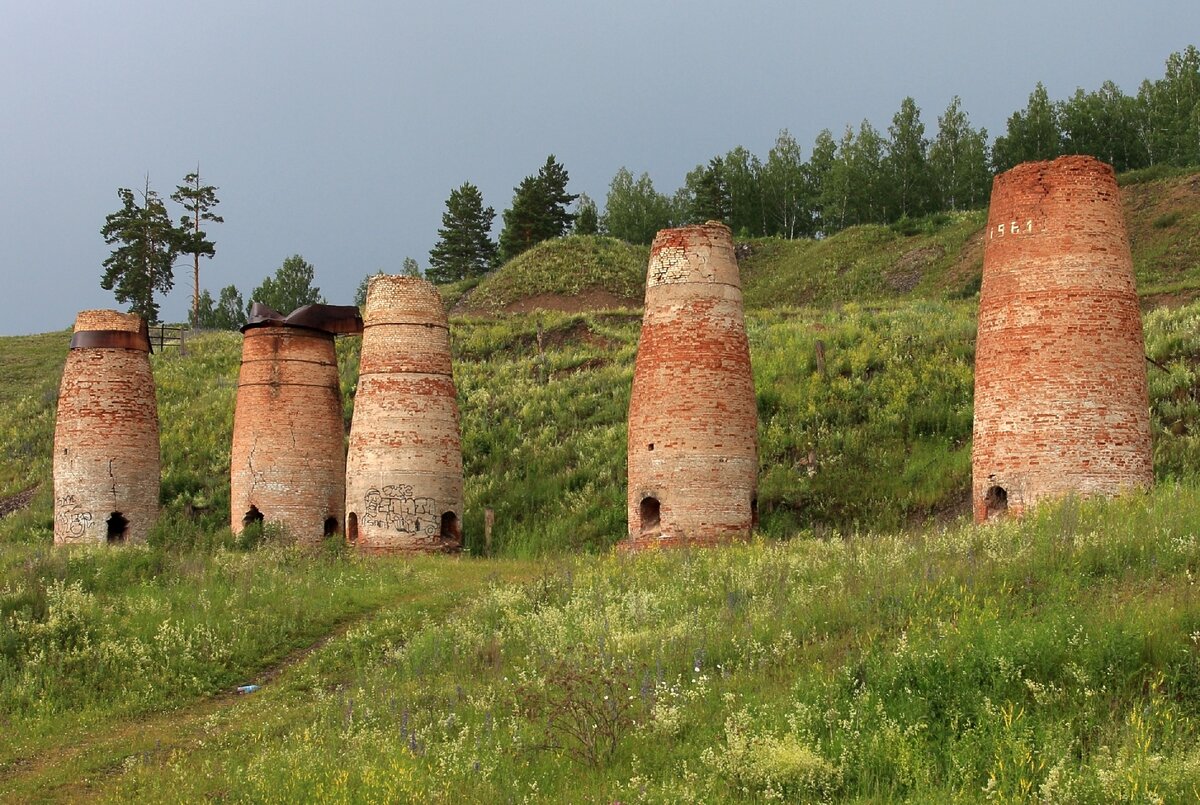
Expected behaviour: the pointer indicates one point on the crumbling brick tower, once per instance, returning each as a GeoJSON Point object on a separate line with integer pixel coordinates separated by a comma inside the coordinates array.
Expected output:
{"type": "Point", "coordinates": [693, 425]}
{"type": "Point", "coordinates": [288, 461]}
{"type": "Point", "coordinates": [404, 482]}
{"type": "Point", "coordinates": [106, 461]}
{"type": "Point", "coordinates": [1060, 370]}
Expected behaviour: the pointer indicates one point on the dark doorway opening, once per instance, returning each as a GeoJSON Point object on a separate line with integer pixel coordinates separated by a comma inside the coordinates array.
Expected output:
{"type": "Point", "coordinates": [996, 502]}
{"type": "Point", "coordinates": [754, 512]}
{"type": "Point", "coordinates": [352, 528]}
{"type": "Point", "coordinates": [118, 526]}
{"type": "Point", "coordinates": [450, 530]}
{"type": "Point", "coordinates": [253, 517]}
{"type": "Point", "coordinates": [330, 526]}
{"type": "Point", "coordinates": [650, 513]}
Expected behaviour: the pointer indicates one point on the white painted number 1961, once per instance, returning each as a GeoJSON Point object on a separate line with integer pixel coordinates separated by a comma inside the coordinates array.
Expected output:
{"type": "Point", "coordinates": [1011, 228]}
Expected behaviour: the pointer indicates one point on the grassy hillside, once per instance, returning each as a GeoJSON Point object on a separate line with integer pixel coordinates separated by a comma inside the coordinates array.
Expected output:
{"type": "Point", "coordinates": [554, 275]}
{"type": "Point", "coordinates": [879, 439]}
{"type": "Point", "coordinates": [938, 257]}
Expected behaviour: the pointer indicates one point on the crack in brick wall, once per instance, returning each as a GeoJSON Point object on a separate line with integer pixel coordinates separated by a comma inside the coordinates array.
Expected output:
{"type": "Point", "coordinates": [288, 455]}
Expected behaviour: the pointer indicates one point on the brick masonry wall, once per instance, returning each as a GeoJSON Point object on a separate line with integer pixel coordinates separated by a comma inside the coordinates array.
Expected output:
{"type": "Point", "coordinates": [1061, 404]}
{"type": "Point", "coordinates": [404, 467]}
{"type": "Point", "coordinates": [288, 459]}
{"type": "Point", "coordinates": [106, 451]}
{"type": "Point", "coordinates": [693, 424]}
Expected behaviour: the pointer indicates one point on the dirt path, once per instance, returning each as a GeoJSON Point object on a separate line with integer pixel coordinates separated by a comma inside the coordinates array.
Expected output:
{"type": "Point", "coordinates": [83, 763]}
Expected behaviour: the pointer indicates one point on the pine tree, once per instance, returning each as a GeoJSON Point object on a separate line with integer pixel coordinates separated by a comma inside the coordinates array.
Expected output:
{"type": "Point", "coordinates": [464, 247]}
{"type": "Point", "coordinates": [197, 200]}
{"type": "Point", "coordinates": [709, 193]}
{"type": "Point", "coordinates": [144, 260]}
{"type": "Point", "coordinates": [539, 210]}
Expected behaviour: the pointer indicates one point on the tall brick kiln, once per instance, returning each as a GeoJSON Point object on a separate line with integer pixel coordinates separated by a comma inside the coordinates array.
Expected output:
{"type": "Point", "coordinates": [288, 462]}
{"type": "Point", "coordinates": [1060, 371]}
{"type": "Point", "coordinates": [106, 461]}
{"type": "Point", "coordinates": [693, 425]}
{"type": "Point", "coordinates": [404, 481]}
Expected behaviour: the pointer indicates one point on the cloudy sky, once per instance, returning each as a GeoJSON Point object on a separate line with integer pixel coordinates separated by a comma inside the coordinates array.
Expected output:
{"type": "Point", "coordinates": [337, 130]}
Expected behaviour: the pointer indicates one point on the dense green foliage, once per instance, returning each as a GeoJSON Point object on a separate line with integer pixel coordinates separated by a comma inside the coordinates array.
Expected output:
{"type": "Point", "coordinates": [633, 210]}
{"type": "Point", "coordinates": [539, 210]}
{"type": "Point", "coordinates": [226, 313]}
{"type": "Point", "coordinates": [465, 247]}
{"type": "Point", "coordinates": [870, 177]}
{"type": "Point", "coordinates": [198, 201]}
{"type": "Point", "coordinates": [289, 288]}
{"type": "Point", "coordinates": [587, 217]}
{"type": "Point", "coordinates": [146, 244]}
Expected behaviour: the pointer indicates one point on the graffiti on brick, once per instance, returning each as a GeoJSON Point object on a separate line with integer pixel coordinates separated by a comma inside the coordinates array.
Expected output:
{"type": "Point", "coordinates": [395, 509]}
{"type": "Point", "coordinates": [73, 517]}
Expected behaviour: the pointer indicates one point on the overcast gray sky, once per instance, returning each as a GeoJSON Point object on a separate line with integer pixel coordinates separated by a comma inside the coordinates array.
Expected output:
{"type": "Point", "coordinates": [337, 130]}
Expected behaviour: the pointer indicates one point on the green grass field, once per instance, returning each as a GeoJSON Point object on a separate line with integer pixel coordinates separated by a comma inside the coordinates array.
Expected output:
{"type": "Point", "coordinates": [870, 644]}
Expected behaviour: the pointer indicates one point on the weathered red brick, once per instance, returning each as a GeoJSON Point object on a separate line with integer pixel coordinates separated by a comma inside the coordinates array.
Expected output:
{"type": "Point", "coordinates": [288, 461]}
{"type": "Point", "coordinates": [693, 425]}
{"type": "Point", "coordinates": [404, 484]}
{"type": "Point", "coordinates": [106, 452]}
{"type": "Point", "coordinates": [1061, 404]}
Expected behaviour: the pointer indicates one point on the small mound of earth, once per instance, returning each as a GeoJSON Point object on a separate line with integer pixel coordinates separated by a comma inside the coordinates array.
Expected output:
{"type": "Point", "coordinates": [578, 333]}
{"type": "Point", "coordinates": [595, 299]}
{"type": "Point", "coordinates": [17, 502]}
{"type": "Point", "coordinates": [906, 273]}
{"type": "Point", "coordinates": [968, 264]}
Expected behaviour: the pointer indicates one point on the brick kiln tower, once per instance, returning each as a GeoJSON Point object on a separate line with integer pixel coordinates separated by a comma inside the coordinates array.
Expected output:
{"type": "Point", "coordinates": [404, 484]}
{"type": "Point", "coordinates": [693, 425]}
{"type": "Point", "coordinates": [106, 462]}
{"type": "Point", "coordinates": [1060, 371]}
{"type": "Point", "coordinates": [288, 462]}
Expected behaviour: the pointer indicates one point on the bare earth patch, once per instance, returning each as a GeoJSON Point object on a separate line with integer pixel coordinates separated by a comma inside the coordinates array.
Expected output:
{"type": "Point", "coordinates": [17, 502]}
{"type": "Point", "coordinates": [907, 272]}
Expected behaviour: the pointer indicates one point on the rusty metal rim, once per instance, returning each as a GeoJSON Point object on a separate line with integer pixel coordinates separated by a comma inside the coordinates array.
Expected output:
{"type": "Point", "coordinates": [112, 339]}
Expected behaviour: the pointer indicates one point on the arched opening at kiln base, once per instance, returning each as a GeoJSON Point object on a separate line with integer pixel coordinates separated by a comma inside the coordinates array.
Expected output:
{"type": "Point", "coordinates": [996, 502]}
{"type": "Point", "coordinates": [352, 528]}
{"type": "Point", "coordinates": [650, 513]}
{"type": "Point", "coordinates": [330, 526]}
{"type": "Point", "coordinates": [117, 527]}
{"type": "Point", "coordinates": [450, 530]}
{"type": "Point", "coordinates": [754, 512]}
{"type": "Point", "coordinates": [253, 517]}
